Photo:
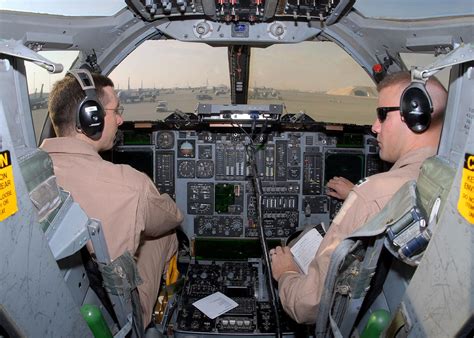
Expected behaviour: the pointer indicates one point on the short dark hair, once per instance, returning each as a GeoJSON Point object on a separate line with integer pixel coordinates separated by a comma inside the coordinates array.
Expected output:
{"type": "Point", "coordinates": [65, 97]}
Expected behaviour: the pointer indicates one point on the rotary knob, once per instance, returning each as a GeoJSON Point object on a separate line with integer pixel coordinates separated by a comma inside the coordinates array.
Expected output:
{"type": "Point", "coordinates": [276, 30]}
{"type": "Point", "coordinates": [202, 29]}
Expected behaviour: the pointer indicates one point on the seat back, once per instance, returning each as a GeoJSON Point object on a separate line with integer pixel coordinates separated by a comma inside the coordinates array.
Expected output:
{"type": "Point", "coordinates": [98, 281]}
{"type": "Point", "coordinates": [357, 279]}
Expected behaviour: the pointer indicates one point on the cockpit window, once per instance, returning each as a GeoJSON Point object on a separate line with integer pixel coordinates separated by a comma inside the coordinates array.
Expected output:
{"type": "Point", "coordinates": [40, 82]}
{"type": "Point", "coordinates": [164, 76]}
{"type": "Point", "coordinates": [161, 77]}
{"type": "Point", "coordinates": [409, 9]}
{"type": "Point", "coordinates": [68, 8]}
{"type": "Point", "coordinates": [318, 79]}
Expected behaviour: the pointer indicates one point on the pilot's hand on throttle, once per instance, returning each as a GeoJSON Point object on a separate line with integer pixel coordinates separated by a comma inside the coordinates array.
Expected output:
{"type": "Point", "coordinates": [282, 261]}
{"type": "Point", "coordinates": [339, 187]}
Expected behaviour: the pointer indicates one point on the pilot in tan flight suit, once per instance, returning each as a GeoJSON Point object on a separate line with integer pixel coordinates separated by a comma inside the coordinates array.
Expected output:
{"type": "Point", "coordinates": [134, 215]}
{"type": "Point", "coordinates": [300, 293]}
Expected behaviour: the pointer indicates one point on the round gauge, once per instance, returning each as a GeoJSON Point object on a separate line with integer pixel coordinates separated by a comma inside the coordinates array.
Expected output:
{"type": "Point", "coordinates": [186, 149]}
{"type": "Point", "coordinates": [165, 140]}
{"type": "Point", "coordinates": [186, 169]}
{"type": "Point", "coordinates": [205, 169]}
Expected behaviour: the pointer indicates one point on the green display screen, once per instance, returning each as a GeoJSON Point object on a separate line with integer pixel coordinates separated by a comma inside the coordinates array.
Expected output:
{"type": "Point", "coordinates": [224, 197]}
{"type": "Point", "coordinates": [135, 138]}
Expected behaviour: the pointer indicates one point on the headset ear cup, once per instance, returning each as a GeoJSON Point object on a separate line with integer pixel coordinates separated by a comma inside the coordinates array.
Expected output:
{"type": "Point", "coordinates": [90, 118]}
{"type": "Point", "coordinates": [416, 107]}
{"type": "Point", "coordinates": [90, 113]}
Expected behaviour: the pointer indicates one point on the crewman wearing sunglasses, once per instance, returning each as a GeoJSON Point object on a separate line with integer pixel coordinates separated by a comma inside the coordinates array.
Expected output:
{"type": "Point", "coordinates": [406, 140]}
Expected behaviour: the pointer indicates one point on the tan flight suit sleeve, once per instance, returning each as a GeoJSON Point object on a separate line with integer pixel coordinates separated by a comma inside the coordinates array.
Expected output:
{"type": "Point", "coordinates": [161, 212]}
{"type": "Point", "coordinates": [300, 294]}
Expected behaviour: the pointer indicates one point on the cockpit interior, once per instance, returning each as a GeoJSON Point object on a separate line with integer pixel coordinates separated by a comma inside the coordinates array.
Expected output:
{"type": "Point", "coordinates": [241, 111]}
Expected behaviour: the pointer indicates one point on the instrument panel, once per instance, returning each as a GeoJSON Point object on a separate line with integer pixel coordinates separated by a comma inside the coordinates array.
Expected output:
{"type": "Point", "coordinates": [243, 282]}
{"type": "Point", "coordinates": [213, 170]}
{"type": "Point", "coordinates": [208, 173]}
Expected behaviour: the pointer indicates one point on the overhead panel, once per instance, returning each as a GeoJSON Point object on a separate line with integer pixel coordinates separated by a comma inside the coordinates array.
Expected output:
{"type": "Point", "coordinates": [251, 11]}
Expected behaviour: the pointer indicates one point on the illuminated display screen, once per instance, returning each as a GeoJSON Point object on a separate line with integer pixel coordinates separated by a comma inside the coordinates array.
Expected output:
{"type": "Point", "coordinates": [224, 197]}
{"type": "Point", "coordinates": [347, 165]}
{"type": "Point", "coordinates": [134, 138]}
{"type": "Point", "coordinates": [140, 159]}
{"type": "Point", "coordinates": [240, 28]}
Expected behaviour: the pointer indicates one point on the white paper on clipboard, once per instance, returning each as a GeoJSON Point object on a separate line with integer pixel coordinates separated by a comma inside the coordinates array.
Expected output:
{"type": "Point", "coordinates": [216, 304]}
{"type": "Point", "coordinates": [305, 248]}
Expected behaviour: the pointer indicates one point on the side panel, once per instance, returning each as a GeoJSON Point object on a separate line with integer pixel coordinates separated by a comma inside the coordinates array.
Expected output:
{"type": "Point", "coordinates": [33, 295]}
{"type": "Point", "coordinates": [440, 300]}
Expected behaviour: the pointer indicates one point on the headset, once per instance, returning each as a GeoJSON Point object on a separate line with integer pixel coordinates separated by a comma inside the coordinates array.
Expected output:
{"type": "Point", "coordinates": [416, 107]}
{"type": "Point", "coordinates": [90, 113]}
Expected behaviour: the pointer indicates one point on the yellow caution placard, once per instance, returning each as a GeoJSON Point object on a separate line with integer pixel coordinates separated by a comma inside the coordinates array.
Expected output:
{"type": "Point", "coordinates": [8, 202]}
{"type": "Point", "coordinates": [466, 196]}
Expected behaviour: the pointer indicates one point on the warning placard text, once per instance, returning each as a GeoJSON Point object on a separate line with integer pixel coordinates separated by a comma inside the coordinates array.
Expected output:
{"type": "Point", "coordinates": [8, 202]}
{"type": "Point", "coordinates": [466, 195]}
